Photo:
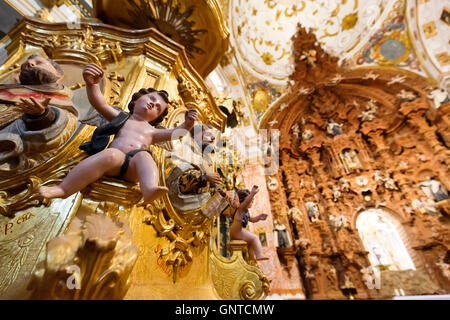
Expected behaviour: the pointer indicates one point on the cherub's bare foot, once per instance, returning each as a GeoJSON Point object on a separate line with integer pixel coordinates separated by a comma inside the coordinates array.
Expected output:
{"type": "Point", "coordinates": [51, 192]}
{"type": "Point", "coordinates": [154, 194]}
{"type": "Point", "coordinates": [262, 258]}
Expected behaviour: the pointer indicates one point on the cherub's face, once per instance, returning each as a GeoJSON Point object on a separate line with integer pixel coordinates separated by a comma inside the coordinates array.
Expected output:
{"type": "Point", "coordinates": [150, 106]}
{"type": "Point", "coordinates": [206, 136]}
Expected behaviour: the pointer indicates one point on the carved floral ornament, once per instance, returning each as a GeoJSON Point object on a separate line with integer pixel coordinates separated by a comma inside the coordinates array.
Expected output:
{"type": "Point", "coordinates": [99, 255]}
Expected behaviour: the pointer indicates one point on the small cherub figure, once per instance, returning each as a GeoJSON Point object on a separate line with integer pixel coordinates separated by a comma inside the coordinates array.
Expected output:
{"type": "Point", "coordinates": [128, 156]}
{"type": "Point", "coordinates": [242, 216]}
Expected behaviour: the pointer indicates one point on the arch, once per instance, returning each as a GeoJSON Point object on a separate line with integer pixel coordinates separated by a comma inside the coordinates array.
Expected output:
{"type": "Point", "coordinates": [384, 238]}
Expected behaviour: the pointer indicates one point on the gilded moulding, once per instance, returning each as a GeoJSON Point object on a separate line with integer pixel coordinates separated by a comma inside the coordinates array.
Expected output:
{"type": "Point", "coordinates": [23, 239]}
{"type": "Point", "coordinates": [92, 260]}
{"type": "Point", "coordinates": [234, 278]}
{"type": "Point", "coordinates": [197, 25]}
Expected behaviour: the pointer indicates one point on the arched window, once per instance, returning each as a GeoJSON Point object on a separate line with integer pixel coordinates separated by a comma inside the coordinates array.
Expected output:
{"type": "Point", "coordinates": [380, 235]}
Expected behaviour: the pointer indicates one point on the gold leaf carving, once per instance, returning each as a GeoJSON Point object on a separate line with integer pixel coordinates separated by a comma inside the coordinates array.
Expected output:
{"type": "Point", "coordinates": [25, 199]}
{"type": "Point", "coordinates": [96, 253]}
{"type": "Point", "coordinates": [15, 256]}
{"type": "Point", "coordinates": [234, 278]}
{"type": "Point", "coordinates": [178, 252]}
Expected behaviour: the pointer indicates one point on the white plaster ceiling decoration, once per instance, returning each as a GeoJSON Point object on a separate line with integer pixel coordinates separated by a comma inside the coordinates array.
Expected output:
{"type": "Point", "coordinates": [429, 26]}
{"type": "Point", "coordinates": [262, 30]}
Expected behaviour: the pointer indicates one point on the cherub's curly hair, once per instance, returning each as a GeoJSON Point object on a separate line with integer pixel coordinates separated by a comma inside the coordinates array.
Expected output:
{"type": "Point", "coordinates": [162, 93]}
{"type": "Point", "coordinates": [243, 194]}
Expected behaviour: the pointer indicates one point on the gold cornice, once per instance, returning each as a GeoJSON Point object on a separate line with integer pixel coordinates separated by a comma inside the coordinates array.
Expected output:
{"type": "Point", "coordinates": [206, 15]}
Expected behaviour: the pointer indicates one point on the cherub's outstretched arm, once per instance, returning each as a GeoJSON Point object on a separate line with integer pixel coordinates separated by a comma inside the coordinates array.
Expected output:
{"type": "Point", "coordinates": [92, 75]}
{"type": "Point", "coordinates": [161, 135]}
{"type": "Point", "coordinates": [260, 217]}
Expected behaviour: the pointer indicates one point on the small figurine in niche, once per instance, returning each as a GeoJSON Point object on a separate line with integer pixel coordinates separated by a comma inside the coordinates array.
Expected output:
{"type": "Point", "coordinates": [295, 215]}
{"type": "Point", "coordinates": [336, 193]}
{"type": "Point", "coordinates": [313, 211]}
{"type": "Point", "coordinates": [350, 160]}
{"type": "Point", "coordinates": [242, 201]}
{"type": "Point", "coordinates": [344, 184]}
{"type": "Point", "coordinates": [128, 156]}
{"type": "Point", "coordinates": [425, 205]}
{"type": "Point", "coordinates": [307, 135]}
{"type": "Point", "coordinates": [334, 128]}
{"type": "Point", "coordinates": [445, 267]}
{"type": "Point", "coordinates": [434, 189]}
{"type": "Point", "coordinates": [338, 222]}
{"type": "Point", "coordinates": [389, 183]}
{"type": "Point", "coordinates": [281, 237]}
{"type": "Point", "coordinates": [378, 177]}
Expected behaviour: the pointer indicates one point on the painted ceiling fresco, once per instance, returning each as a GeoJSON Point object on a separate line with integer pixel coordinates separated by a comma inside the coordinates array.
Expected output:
{"type": "Point", "coordinates": [263, 30]}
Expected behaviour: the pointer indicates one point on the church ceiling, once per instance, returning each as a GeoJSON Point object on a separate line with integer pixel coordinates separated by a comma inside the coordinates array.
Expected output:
{"type": "Point", "coordinates": [263, 30]}
{"type": "Point", "coordinates": [429, 25]}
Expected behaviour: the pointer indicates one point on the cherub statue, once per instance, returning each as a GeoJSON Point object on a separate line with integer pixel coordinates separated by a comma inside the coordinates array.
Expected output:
{"type": "Point", "coordinates": [439, 97]}
{"type": "Point", "coordinates": [310, 57]}
{"type": "Point", "coordinates": [367, 116]}
{"type": "Point", "coordinates": [369, 113]}
{"type": "Point", "coordinates": [389, 183]}
{"type": "Point", "coordinates": [128, 156]}
{"type": "Point", "coordinates": [281, 237]}
{"type": "Point", "coordinates": [241, 218]}
{"type": "Point", "coordinates": [370, 278]}
{"type": "Point", "coordinates": [296, 130]}
{"type": "Point", "coordinates": [334, 128]}
{"type": "Point", "coordinates": [191, 178]}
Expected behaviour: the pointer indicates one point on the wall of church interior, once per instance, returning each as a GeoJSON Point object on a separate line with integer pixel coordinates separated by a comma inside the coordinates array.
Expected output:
{"type": "Point", "coordinates": [358, 206]}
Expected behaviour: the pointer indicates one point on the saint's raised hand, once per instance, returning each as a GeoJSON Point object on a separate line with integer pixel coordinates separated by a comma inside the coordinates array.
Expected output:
{"type": "Point", "coordinates": [33, 107]}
